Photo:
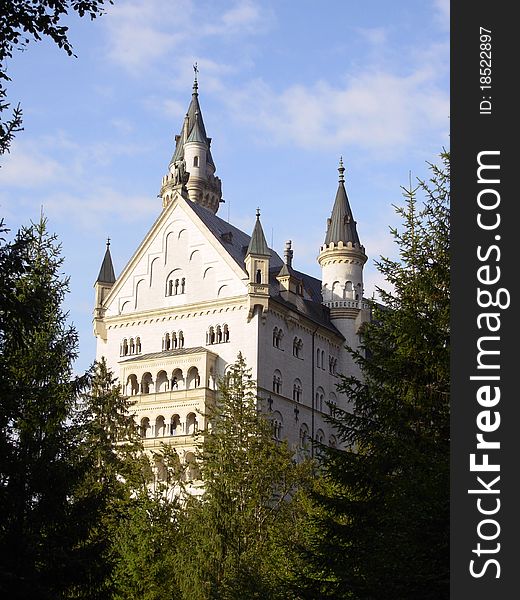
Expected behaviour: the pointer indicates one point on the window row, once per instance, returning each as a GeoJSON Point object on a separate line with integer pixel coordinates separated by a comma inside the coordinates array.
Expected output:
{"type": "Point", "coordinates": [173, 340]}
{"type": "Point", "coordinates": [130, 346]}
{"type": "Point", "coordinates": [163, 382]}
{"type": "Point", "coordinates": [176, 286]}
{"type": "Point", "coordinates": [173, 426]}
{"type": "Point", "coordinates": [217, 335]}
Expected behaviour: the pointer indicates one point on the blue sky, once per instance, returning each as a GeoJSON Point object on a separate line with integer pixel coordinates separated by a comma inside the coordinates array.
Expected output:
{"type": "Point", "coordinates": [285, 86]}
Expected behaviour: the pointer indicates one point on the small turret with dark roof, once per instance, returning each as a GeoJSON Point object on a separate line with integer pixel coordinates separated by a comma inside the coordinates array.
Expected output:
{"type": "Point", "coordinates": [341, 226]}
{"type": "Point", "coordinates": [106, 273]}
{"type": "Point", "coordinates": [104, 283]}
{"type": "Point", "coordinates": [257, 266]}
{"type": "Point", "coordinates": [258, 245]}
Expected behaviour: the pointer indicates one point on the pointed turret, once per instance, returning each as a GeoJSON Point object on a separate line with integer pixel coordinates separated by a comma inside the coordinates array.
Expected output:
{"type": "Point", "coordinates": [341, 226]}
{"type": "Point", "coordinates": [106, 273]}
{"type": "Point", "coordinates": [192, 170]}
{"type": "Point", "coordinates": [257, 267]}
{"type": "Point", "coordinates": [104, 282]}
{"type": "Point", "coordinates": [342, 256]}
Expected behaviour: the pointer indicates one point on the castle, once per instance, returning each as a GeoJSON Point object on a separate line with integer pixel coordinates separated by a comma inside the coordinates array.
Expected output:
{"type": "Point", "coordinates": [198, 291]}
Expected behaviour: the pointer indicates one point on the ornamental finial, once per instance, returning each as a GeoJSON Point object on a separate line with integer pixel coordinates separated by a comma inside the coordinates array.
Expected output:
{"type": "Point", "coordinates": [341, 170]}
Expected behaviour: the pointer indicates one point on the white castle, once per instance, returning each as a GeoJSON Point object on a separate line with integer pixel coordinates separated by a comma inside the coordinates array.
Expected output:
{"type": "Point", "coordinates": [198, 291]}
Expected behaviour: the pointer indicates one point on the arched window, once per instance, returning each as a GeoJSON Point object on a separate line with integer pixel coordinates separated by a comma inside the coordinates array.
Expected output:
{"type": "Point", "coordinates": [181, 339]}
{"type": "Point", "coordinates": [211, 336]}
{"type": "Point", "coordinates": [175, 425]}
{"type": "Point", "coordinates": [170, 287]}
{"type": "Point", "coordinates": [258, 278]}
{"type": "Point", "coordinates": [177, 382]}
{"type": "Point", "coordinates": [219, 334]}
{"type": "Point", "coordinates": [277, 382]}
{"type": "Point", "coordinates": [132, 387]}
{"type": "Point", "coordinates": [160, 426]}
{"type": "Point", "coordinates": [193, 378]}
{"type": "Point", "coordinates": [125, 347]}
{"type": "Point", "coordinates": [195, 161]}
{"type": "Point", "coordinates": [297, 390]}
{"type": "Point", "coordinates": [144, 428]}
{"type": "Point", "coordinates": [277, 422]}
{"type": "Point", "coordinates": [138, 345]}
{"type": "Point", "coordinates": [297, 347]}
{"type": "Point", "coordinates": [161, 382]}
{"type": "Point", "coordinates": [174, 340]}
{"type": "Point", "coordinates": [320, 394]}
{"type": "Point", "coordinates": [176, 287]}
{"type": "Point", "coordinates": [146, 382]}
{"type": "Point", "coordinates": [226, 333]}
{"type": "Point", "coordinates": [131, 346]}
{"type": "Point", "coordinates": [166, 341]}
{"type": "Point", "coordinates": [323, 359]}
{"type": "Point", "coordinates": [320, 436]}
{"type": "Point", "coordinates": [191, 424]}
{"type": "Point", "coordinates": [275, 337]}
{"type": "Point", "coordinates": [332, 441]}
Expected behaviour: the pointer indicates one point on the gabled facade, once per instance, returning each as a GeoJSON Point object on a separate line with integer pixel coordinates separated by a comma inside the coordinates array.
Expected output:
{"type": "Point", "coordinates": [198, 291]}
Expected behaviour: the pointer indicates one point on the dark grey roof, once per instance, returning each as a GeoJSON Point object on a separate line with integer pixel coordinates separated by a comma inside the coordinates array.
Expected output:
{"type": "Point", "coordinates": [167, 353]}
{"type": "Point", "coordinates": [309, 305]}
{"type": "Point", "coordinates": [106, 273]}
{"type": "Point", "coordinates": [237, 244]}
{"type": "Point", "coordinates": [196, 134]}
{"type": "Point", "coordinates": [257, 244]}
{"type": "Point", "coordinates": [341, 226]}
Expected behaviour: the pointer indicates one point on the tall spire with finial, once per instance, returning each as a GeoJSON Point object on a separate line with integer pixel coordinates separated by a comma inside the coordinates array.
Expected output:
{"type": "Point", "coordinates": [106, 273]}
{"type": "Point", "coordinates": [341, 226]}
{"type": "Point", "coordinates": [192, 170]}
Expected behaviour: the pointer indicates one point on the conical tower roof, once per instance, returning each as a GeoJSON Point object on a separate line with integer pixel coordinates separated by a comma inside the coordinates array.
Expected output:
{"type": "Point", "coordinates": [341, 226]}
{"type": "Point", "coordinates": [106, 273]}
{"type": "Point", "coordinates": [258, 245]}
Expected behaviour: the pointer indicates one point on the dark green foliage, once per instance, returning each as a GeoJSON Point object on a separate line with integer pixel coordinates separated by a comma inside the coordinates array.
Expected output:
{"type": "Point", "coordinates": [24, 20]}
{"type": "Point", "coordinates": [381, 511]}
{"type": "Point", "coordinates": [38, 467]}
{"type": "Point", "coordinates": [226, 543]}
{"type": "Point", "coordinates": [111, 456]}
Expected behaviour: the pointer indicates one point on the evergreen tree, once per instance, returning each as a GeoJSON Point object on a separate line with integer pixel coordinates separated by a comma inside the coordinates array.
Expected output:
{"type": "Point", "coordinates": [38, 464]}
{"type": "Point", "coordinates": [226, 535]}
{"type": "Point", "coordinates": [112, 459]}
{"type": "Point", "coordinates": [380, 518]}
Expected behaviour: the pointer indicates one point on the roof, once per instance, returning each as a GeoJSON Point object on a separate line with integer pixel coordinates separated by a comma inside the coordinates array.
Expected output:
{"type": "Point", "coordinates": [233, 240]}
{"type": "Point", "coordinates": [257, 244]}
{"type": "Point", "coordinates": [106, 273]}
{"type": "Point", "coordinates": [236, 244]}
{"type": "Point", "coordinates": [341, 226]}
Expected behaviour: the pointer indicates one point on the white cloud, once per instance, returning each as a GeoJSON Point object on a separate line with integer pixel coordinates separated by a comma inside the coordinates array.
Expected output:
{"type": "Point", "coordinates": [376, 111]}
{"type": "Point", "coordinates": [143, 33]}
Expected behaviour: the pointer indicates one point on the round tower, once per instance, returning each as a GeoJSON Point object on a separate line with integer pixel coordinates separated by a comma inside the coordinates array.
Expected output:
{"type": "Point", "coordinates": [342, 258]}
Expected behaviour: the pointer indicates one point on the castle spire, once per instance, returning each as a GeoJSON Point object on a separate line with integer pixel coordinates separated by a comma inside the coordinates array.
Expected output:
{"type": "Point", "coordinates": [192, 170]}
{"type": "Point", "coordinates": [106, 273]}
{"type": "Point", "coordinates": [341, 226]}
